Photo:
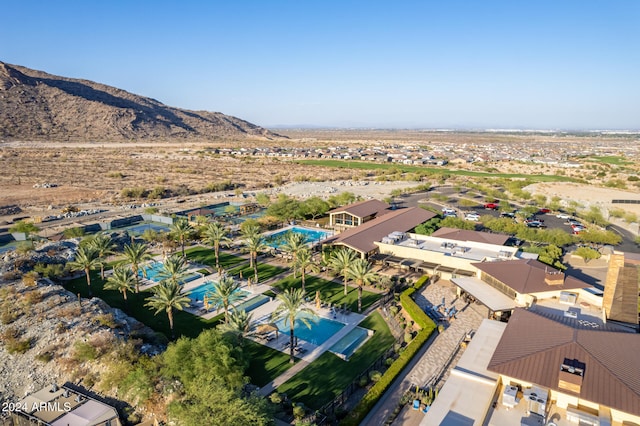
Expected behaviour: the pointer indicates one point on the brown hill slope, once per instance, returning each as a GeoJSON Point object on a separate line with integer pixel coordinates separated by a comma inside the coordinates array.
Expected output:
{"type": "Point", "coordinates": [37, 105]}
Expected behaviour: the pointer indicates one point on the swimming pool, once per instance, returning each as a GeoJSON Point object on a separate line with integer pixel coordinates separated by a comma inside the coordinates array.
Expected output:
{"type": "Point", "coordinates": [321, 328]}
{"type": "Point", "coordinates": [277, 239]}
{"type": "Point", "coordinates": [350, 342]}
{"type": "Point", "coordinates": [252, 303]}
{"type": "Point", "coordinates": [153, 272]}
{"type": "Point", "coordinates": [199, 292]}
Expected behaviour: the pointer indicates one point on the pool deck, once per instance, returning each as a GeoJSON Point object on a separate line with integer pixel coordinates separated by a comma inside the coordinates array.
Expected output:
{"type": "Point", "coordinates": [312, 352]}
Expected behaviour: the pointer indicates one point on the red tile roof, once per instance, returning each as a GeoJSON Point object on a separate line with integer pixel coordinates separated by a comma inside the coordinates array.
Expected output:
{"type": "Point", "coordinates": [527, 276]}
{"type": "Point", "coordinates": [533, 348]}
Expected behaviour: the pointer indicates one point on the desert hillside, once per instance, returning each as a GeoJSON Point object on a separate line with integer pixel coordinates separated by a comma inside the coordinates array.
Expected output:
{"type": "Point", "coordinates": [35, 105]}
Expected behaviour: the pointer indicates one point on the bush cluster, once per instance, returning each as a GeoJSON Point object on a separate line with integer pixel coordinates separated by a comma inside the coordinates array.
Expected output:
{"type": "Point", "coordinates": [379, 388]}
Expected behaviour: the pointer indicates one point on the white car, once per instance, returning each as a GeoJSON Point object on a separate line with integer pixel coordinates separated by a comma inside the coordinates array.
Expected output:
{"type": "Point", "coordinates": [563, 216]}
{"type": "Point", "coordinates": [472, 217]}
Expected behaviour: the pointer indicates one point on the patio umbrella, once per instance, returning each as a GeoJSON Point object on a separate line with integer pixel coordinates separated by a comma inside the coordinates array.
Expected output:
{"type": "Point", "coordinates": [317, 299]}
{"type": "Point", "coordinates": [206, 302]}
{"type": "Point", "coordinates": [267, 328]}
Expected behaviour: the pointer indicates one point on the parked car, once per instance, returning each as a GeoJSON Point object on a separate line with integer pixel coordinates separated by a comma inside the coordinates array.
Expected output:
{"type": "Point", "coordinates": [491, 206]}
{"type": "Point", "coordinates": [536, 224]}
{"type": "Point", "coordinates": [563, 216]}
{"type": "Point", "coordinates": [533, 219]}
{"type": "Point", "coordinates": [544, 210]}
{"type": "Point", "coordinates": [508, 214]}
{"type": "Point", "coordinates": [473, 216]}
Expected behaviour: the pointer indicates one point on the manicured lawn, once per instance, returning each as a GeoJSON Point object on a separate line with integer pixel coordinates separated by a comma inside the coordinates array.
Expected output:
{"type": "Point", "coordinates": [330, 292]}
{"type": "Point", "coordinates": [611, 159]}
{"type": "Point", "coordinates": [265, 271]}
{"type": "Point", "coordinates": [265, 363]}
{"type": "Point", "coordinates": [328, 376]}
{"type": "Point", "coordinates": [185, 324]}
{"type": "Point", "coordinates": [206, 256]}
{"type": "Point", "coordinates": [439, 171]}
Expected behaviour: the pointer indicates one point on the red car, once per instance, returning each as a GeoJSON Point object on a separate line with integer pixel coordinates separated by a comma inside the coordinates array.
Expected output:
{"type": "Point", "coordinates": [491, 206]}
{"type": "Point", "coordinates": [544, 211]}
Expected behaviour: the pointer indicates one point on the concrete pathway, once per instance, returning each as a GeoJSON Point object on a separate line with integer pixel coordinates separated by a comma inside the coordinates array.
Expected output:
{"type": "Point", "coordinates": [434, 354]}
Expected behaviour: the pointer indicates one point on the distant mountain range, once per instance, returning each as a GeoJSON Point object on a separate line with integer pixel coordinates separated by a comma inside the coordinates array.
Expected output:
{"type": "Point", "coordinates": [35, 105]}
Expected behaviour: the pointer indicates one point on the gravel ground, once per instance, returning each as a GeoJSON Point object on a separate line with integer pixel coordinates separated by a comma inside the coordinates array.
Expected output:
{"type": "Point", "coordinates": [326, 189]}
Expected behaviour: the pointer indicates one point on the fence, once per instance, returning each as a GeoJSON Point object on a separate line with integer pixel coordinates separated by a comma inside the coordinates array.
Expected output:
{"type": "Point", "coordinates": [625, 201]}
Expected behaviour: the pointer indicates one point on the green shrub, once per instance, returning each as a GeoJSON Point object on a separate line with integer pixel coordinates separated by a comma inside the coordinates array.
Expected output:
{"type": "Point", "coordinates": [275, 398]}
{"type": "Point", "coordinates": [84, 351]}
{"type": "Point", "coordinates": [363, 381]}
{"type": "Point", "coordinates": [106, 320]}
{"type": "Point", "coordinates": [421, 282]}
{"type": "Point", "coordinates": [378, 389]}
{"type": "Point", "coordinates": [17, 346]}
{"type": "Point", "coordinates": [299, 411]}
{"type": "Point", "coordinates": [408, 337]}
{"type": "Point", "coordinates": [375, 376]}
{"type": "Point", "coordinates": [389, 361]}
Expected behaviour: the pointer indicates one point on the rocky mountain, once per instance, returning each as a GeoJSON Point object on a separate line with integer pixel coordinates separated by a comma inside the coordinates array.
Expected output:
{"type": "Point", "coordinates": [35, 105]}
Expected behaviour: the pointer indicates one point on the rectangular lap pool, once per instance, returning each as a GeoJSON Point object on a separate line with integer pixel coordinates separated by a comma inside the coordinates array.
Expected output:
{"type": "Point", "coordinates": [321, 328]}
{"type": "Point", "coordinates": [199, 292]}
{"type": "Point", "coordinates": [350, 342]}
{"type": "Point", "coordinates": [277, 239]}
{"type": "Point", "coordinates": [153, 272]}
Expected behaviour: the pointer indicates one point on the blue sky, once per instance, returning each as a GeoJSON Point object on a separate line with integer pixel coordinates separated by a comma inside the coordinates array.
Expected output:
{"type": "Point", "coordinates": [557, 64]}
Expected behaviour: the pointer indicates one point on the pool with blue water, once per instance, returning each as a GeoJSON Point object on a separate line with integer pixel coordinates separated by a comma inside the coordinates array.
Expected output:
{"type": "Point", "coordinates": [153, 272]}
{"type": "Point", "coordinates": [321, 328]}
{"type": "Point", "coordinates": [199, 292]}
{"type": "Point", "coordinates": [350, 342]}
{"type": "Point", "coordinates": [277, 239]}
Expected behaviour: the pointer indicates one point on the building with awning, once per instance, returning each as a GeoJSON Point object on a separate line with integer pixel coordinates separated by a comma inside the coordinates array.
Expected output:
{"type": "Point", "coordinates": [492, 298]}
{"type": "Point", "coordinates": [363, 238]}
{"type": "Point", "coordinates": [442, 256]}
{"type": "Point", "coordinates": [356, 214]}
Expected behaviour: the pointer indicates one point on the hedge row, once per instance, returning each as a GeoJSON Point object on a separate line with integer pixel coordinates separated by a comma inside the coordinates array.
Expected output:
{"type": "Point", "coordinates": [375, 393]}
{"type": "Point", "coordinates": [420, 282]}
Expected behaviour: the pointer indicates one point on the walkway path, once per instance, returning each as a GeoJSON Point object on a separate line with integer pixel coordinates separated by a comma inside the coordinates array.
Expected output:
{"type": "Point", "coordinates": [433, 355]}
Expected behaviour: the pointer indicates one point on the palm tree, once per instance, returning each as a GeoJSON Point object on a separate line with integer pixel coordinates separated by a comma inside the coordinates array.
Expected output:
{"type": "Point", "coordinates": [173, 269]}
{"type": "Point", "coordinates": [181, 230]}
{"type": "Point", "coordinates": [291, 306]}
{"type": "Point", "coordinates": [293, 243]}
{"type": "Point", "coordinates": [103, 245]}
{"type": "Point", "coordinates": [215, 234]}
{"type": "Point", "coordinates": [340, 261]}
{"type": "Point", "coordinates": [136, 253]}
{"type": "Point", "coordinates": [224, 293]}
{"type": "Point", "coordinates": [166, 297]}
{"type": "Point", "coordinates": [254, 243]}
{"type": "Point", "coordinates": [362, 273]}
{"type": "Point", "coordinates": [86, 260]}
{"type": "Point", "coordinates": [122, 280]}
{"type": "Point", "coordinates": [304, 261]}
{"type": "Point", "coordinates": [239, 323]}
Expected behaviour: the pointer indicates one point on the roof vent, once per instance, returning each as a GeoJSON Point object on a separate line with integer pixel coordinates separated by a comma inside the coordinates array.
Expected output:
{"type": "Point", "coordinates": [54, 388]}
